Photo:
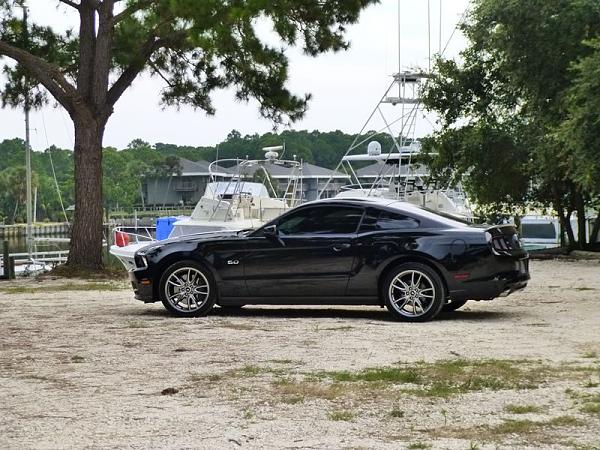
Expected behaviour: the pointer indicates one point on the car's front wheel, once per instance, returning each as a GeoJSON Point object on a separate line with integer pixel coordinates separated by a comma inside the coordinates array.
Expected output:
{"type": "Point", "coordinates": [413, 292]}
{"type": "Point", "coordinates": [187, 289]}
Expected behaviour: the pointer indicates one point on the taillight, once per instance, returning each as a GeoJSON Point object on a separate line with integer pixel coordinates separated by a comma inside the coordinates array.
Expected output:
{"type": "Point", "coordinates": [121, 239]}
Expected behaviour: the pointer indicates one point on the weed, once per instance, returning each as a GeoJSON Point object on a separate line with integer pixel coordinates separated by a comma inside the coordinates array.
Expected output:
{"type": "Point", "coordinates": [77, 359]}
{"type": "Point", "coordinates": [341, 415]}
{"type": "Point", "coordinates": [248, 414]}
{"type": "Point", "coordinates": [137, 324]}
{"type": "Point", "coordinates": [340, 328]}
{"type": "Point", "coordinates": [418, 445]}
{"type": "Point", "coordinates": [522, 409]}
{"type": "Point", "coordinates": [397, 413]}
{"type": "Point", "coordinates": [590, 354]}
{"type": "Point", "coordinates": [449, 377]}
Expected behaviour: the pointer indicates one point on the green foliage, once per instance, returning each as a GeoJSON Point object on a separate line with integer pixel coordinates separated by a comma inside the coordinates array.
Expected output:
{"type": "Point", "coordinates": [580, 133]}
{"type": "Point", "coordinates": [519, 110]}
{"type": "Point", "coordinates": [126, 170]}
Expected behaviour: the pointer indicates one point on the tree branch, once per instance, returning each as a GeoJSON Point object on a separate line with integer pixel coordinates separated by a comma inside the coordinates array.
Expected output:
{"type": "Point", "coordinates": [131, 9]}
{"type": "Point", "coordinates": [129, 75]}
{"type": "Point", "coordinates": [70, 3]}
{"type": "Point", "coordinates": [47, 74]}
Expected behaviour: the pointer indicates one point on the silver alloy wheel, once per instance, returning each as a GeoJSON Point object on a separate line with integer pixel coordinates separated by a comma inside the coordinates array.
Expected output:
{"type": "Point", "coordinates": [412, 293]}
{"type": "Point", "coordinates": [187, 289]}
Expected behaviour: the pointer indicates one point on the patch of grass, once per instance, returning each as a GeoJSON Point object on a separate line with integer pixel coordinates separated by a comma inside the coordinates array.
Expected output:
{"type": "Point", "coordinates": [591, 403]}
{"type": "Point", "coordinates": [288, 389]}
{"type": "Point", "coordinates": [532, 431]}
{"type": "Point", "coordinates": [341, 415]}
{"type": "Point", "coordinates": [284, 361]}
{"type": "Point", "coordinates": [591, 408]}
{"type": "Point", "coordinates": [237, 326]}
{"type": "Point", "coordinates": [522, 409]}
{"type": "Point", "coordinates": [248, 414]}
{"type": "Point", "coordinates": [251, 370]}
{"type": "Point", "coordinates": [510, 426]}
{"type": "Point", "coordinates": [376, 374]}
{"type": "Point", "coordinates": [418, 445]}
{"type": "Point", "coordinates": [137, 324]}
{"type": "Point", "coordinates": [293, 400]}
{"type": "Point", "coordinates": [92, 286]}
{"type": "Point", "coordinates": [590, 354]}
{"type": "Point", "coordinates": [109, 273]}
{"type": "Point", "coordinates": [340, 328]}
{"type": "Point", "coordinates": [213, 378]}
{"type": "Point", "coordinates": [397, 413]}
{"type": "Point", "coordinates": [77, 359]}
{"type": "Point", "coordinates": [449, 377]}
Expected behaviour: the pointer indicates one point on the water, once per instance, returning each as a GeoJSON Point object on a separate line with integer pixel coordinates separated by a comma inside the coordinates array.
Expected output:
{"type": "Point", "coordinates": [19, 245]}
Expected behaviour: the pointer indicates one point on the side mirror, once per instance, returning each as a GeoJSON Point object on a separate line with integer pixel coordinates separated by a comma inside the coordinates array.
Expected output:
{"type": "Point", "coordinates": [270, 231]}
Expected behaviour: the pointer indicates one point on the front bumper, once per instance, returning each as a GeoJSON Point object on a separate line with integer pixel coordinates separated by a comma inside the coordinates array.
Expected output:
{"type": "Point", "coordinates": [143, 288]}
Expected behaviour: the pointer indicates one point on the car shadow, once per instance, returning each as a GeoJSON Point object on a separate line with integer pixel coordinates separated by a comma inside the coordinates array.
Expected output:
{"type": "Point", "coordinates": [349, 313]}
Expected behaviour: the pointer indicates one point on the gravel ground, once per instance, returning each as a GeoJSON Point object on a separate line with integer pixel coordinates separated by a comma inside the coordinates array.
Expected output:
{"type": "Point", "coordinates": [85, 365]}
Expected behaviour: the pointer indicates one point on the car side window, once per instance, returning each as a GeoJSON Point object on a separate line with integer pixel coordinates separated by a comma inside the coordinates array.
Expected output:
{"type": "Point", "coordinates": [321, 220]}
{"type": "Point", "coordinates": [379, 220]}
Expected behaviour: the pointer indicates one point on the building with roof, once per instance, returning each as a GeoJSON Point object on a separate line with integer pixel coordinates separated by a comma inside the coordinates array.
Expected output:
{"type": "Point", "coordinates": [183, 188]}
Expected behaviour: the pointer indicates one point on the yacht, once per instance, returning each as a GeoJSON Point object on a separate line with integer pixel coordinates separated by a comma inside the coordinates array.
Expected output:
{"type": "Point", "coordinates": [230, 203]}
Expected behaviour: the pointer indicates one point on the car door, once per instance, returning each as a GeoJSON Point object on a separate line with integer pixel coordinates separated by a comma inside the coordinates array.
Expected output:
{"type": "Point", "coordinates": [311, 255]}
{"type": "Point", "coordinates": [382, 235]}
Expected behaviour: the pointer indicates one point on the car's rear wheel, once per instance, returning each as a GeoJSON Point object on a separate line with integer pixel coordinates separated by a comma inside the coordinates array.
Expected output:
{"type": "Point", "coordinates": [413, 292]}
{"type": "Point", "coordinates": [187, 289]}
{"type": "Point", "coordinates": [453, 305]}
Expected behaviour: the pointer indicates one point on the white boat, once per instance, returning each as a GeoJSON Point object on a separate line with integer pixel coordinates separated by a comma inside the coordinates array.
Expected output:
{"type": "Point", "coordinates": [229, 203]}
{"type": "Point", "coordinates": [398, 173]}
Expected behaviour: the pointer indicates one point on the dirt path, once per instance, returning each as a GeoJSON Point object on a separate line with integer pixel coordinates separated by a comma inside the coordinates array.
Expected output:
{"type": "Point", "coordinates": [86, 365]}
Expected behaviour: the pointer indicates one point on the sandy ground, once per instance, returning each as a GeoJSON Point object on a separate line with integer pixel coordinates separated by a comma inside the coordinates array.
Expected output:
{"type": "Point", "coordinates": [94, 368]}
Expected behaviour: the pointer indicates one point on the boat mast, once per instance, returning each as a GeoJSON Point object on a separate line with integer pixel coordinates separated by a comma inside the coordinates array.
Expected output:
{"type": "Point", "coordinates": [27, 146]}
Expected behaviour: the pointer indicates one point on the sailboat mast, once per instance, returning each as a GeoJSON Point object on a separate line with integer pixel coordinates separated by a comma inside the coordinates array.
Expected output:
{"type": "Point", "coordinates": [27, 147]}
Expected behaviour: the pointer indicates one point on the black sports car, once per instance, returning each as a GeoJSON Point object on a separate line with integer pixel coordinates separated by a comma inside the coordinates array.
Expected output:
{"type": "Point", "coordinates": [360, 251]}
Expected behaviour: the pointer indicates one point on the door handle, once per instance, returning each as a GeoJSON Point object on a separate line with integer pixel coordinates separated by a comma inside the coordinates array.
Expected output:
{"type": "Point", "coordinates": [340, 247]}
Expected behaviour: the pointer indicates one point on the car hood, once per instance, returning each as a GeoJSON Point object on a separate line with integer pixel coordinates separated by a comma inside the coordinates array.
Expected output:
{"type": "Point", "coordinates": [192, 238]}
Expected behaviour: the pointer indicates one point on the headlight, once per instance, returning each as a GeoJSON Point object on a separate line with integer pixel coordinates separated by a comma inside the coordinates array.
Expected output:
{"type": "Point", "coordinates": [141, 262]}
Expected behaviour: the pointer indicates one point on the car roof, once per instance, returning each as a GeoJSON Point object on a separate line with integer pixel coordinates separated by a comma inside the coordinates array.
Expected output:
{"type": "Point", "coordinates": [392, 204]}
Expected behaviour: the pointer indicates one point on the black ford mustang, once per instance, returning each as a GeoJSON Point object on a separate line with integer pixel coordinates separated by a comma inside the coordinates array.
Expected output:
{"type": "Point", "coordinates": [338, 251]}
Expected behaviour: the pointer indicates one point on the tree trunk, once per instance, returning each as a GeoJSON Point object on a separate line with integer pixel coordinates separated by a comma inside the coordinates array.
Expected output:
{"type": "Point", "coordinates": [87, 233]}
{"type": "Point", "coordinates": [595, 230]}
{"type": "Point", "coordinates": [565, 225]}
{"type": "Point", "coordinates": [581, 225]}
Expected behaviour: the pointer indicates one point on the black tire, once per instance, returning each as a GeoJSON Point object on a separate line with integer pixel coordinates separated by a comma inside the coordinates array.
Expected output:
{"type": "Point", "coordinates": [197, 294]}
{"type": "Point", "coordinates": [453, 305]}
{"type": "Point", "coordinates": [419, 282]}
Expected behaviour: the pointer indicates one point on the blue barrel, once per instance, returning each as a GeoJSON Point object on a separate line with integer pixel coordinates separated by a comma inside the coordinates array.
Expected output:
{"type": "Point", "coordinates": [164, 226]}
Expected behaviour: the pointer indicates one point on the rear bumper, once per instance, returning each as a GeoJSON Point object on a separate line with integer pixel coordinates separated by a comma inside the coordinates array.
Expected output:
{"type": "Point", "coordinates": [498, 285]}
{"type": "Point", "coordinates": [143, 288]}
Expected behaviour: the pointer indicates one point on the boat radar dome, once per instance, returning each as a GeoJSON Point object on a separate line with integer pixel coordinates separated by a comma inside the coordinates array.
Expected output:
{"type": "Point", "coordinates": [374, 148]}
{"type": "Point", "coordinates": [271, 152]}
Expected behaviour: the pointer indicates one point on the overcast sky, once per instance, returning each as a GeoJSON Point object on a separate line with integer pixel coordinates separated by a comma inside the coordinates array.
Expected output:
{"type": "Point", "coordinates": [345, 86]}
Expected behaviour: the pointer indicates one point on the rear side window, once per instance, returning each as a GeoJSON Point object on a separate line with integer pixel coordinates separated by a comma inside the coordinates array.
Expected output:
{"type": "Point", "coordinates": [321, 220]}
{"type": "Point", "coordinates": [379, 220]}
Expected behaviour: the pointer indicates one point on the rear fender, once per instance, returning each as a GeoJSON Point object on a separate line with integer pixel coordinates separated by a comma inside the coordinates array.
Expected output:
{"type": "Point", "coordinates": [413, 257]}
